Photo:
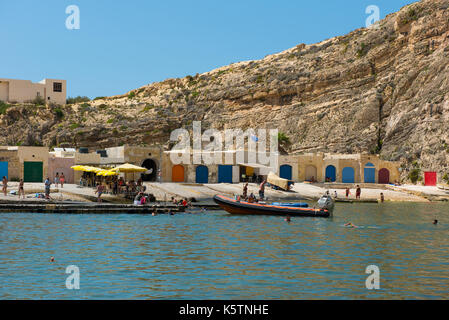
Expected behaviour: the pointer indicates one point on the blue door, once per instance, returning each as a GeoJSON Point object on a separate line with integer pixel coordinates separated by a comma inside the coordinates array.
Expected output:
{"type": "Point", "coordinates": [331, 173]}
{"type": "Point", "coordinates": [202, 174]}
{"type": "Point", "coordinates": [286, 172]}
{"type": "Point", "coordinates": [348, 175]}
{"type": "Point", "coordinates": [224, 174]}
{"type": "Point", "coordinates": [370, 173]}
{"type": "Point", "coordinates": [3, 169]}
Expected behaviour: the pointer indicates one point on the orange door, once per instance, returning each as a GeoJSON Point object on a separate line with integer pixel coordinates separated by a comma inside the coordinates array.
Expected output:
{"type": "Point", "coordinates": [177, 174]}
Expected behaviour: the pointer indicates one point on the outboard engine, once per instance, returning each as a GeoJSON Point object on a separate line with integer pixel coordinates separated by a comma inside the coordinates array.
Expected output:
{"type": "Point", "coordinates": [326, 202]}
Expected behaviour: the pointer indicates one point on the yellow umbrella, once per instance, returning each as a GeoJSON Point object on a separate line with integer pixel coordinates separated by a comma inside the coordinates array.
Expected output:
{"type": "Point", "coordinates": [92, 169]}
{"type": "Point", "coordinates": [127, 167]}
{"type": "Point", "coordinates": [77, 168]}
{"type": "Point", "coordinates": [110, 173]}
{"type": "Point", "coordinates": [106, 173]}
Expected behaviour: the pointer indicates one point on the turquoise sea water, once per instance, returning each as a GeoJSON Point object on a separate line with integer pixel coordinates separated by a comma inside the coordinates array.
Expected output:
{"type": "Point", "coordinates": [214, 255]}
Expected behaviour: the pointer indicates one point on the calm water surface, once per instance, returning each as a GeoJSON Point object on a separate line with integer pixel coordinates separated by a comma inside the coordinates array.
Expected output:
{"type": "Point", "coordinates": [214, 255]}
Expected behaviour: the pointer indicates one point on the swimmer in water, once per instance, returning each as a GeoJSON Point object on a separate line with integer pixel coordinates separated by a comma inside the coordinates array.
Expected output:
{"type": "Point", "coordinates": [287, 219]}
{"type": "Point", "coordinates": [350, 225]}
{"type": "Point", "coordinates": [52, 259]}
{"type": "Point", "coordinates": [435, 221]}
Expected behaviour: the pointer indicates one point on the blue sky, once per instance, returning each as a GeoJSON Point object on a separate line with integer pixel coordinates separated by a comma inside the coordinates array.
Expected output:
{"type": "Point", "coordinates": [122, 45]}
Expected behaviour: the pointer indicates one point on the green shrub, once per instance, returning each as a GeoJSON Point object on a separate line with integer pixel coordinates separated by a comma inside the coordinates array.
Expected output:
{"type": "Point", "coordinates": [39, 101]}
{"type": "Point", "coordinates": [74, 126]}
{"type": "Point", "coordinates": [362, 51]}
{"type": "Point", "coordinates": [131, 95]}
{"type": "Point", "coordinates": [99, 98]}
{"type": "Point", "coordinates": [110, 120]}
{"type": "Point", "coordinates": [3, 107]}
{"type": "Point", "coordinates": [446, 177]}
{"type": "Point", "coordinates": [59, 113]}
{"type": "Point", "coordinates": [414, 175]}
{"type": "Point", "coordinates": [412, 15]}
{"type": "Point", "coordinates": [79, 99]}
{"type": "Point", "coordinates": [148, 107]}
{"type": "Point", "coordinates": [283, 139]}
{"type": "Point", "coordinates": [102, 106]}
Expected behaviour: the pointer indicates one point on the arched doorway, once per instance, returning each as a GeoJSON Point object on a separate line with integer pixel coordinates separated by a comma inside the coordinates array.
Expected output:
{"type": "Point", "coordinates": [202, 174]}
{"type": "Point", "coordinates": [151, 174]}
{"type": "Point", "coordinates": [331, 173]}
{"type": "Point", "coordinates": [348, 175]}
{"type": "Point", "coordinates": [285, 172]}
{"type": "Point", "coordinates": [311, 173]}
{"type": "Point", "coordinates": [369, 173]}
{"type": "Point", "coordinates": [177, 174]}
{"type": "Point", "coordinates": [384, 176]}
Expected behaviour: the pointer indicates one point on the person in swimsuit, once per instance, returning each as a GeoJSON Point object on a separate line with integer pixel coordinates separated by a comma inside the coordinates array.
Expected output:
{"type": "Point", "coordinates": [99, 191]}
{"type": "Point", "coordinates": [5, 185]}
{"type": "Point", "coordinates": [245, 191]}
{"type": "Point", "coordinates": [21, 190]}
{"type": "Point", "coordinates": [262, 190]}
{"type": "Point", "coordinates": [56, 179]}
{"type": "Point", "coordinates": [350, 225]}
{"type": "Point", "coordinates": [62, 179]}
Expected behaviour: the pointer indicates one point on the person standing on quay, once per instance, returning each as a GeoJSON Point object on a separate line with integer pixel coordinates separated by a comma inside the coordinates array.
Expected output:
{"type": "Point", "coordinates": [62, 179]}
{"type": "Point", "coordinates": [47, 188]}
{"type": "Point", "coordinates": [56, 179]}
{"type": "Point", "coordinates": [262, 190]}
{"type": "Point", "coordinates": [21, 190]}
{"type": "Point", "coordinates": [347, 192]}
{"type": "Point", "coordinates": [358, 192]}
{"type": "Point", "coordinates": [5, 185]}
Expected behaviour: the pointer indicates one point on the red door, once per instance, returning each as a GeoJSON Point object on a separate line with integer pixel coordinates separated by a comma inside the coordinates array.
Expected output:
{"type": "Point", "coordinates": [384, 176]}
{"type": "Point", "coordinates": [430, 178]}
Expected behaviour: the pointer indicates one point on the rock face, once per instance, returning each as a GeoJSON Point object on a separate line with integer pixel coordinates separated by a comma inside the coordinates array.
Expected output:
{"type": "Point", "coordinates": [380, 90]}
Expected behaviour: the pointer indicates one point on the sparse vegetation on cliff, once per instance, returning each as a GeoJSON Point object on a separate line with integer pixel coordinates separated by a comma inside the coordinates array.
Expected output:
{"type": "Point", "coordinates": [3, 107]}
{"type": "Point", "coordinates": [78, 99]}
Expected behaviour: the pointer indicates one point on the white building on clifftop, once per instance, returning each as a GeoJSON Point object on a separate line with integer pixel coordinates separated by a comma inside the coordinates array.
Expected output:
{"type": "Point", "coordinates": [20, 91]}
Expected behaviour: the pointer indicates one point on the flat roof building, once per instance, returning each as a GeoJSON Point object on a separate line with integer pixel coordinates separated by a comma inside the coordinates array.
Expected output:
{"type": "Point", "coordinates": [21, 91]}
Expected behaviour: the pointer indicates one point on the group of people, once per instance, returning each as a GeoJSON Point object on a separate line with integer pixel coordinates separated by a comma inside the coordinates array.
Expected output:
{"type": "Point", "coordinates": [252, 198]}
{"type": "Point", "coordinates": [143, 198]}
{"type": "Point", "coordinates": [358, 192]}
{"type": "Point", "coordinates": [59, 179]}
{"type": "Point", "coordinates": [21, 191]}
{"type": "Point", "coordinates": [182, 202]}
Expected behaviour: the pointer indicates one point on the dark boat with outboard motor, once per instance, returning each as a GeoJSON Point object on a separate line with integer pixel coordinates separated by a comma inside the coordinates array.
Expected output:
{"type": "Point", "coordinates": [324, 207]}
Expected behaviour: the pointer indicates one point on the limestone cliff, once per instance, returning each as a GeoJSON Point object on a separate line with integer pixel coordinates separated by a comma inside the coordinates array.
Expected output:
{"type": "Point", "coordinates": [381, 90]}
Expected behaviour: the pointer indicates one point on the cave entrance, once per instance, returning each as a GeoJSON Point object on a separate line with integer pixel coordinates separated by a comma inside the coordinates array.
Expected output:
{"type": "Point", "coordinates": [151, 174]}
